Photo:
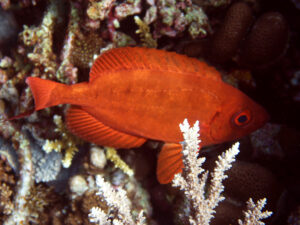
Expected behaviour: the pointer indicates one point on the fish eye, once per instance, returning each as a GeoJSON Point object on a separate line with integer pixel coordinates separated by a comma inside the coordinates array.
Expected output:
{"type": "Point", "coordinates": [241, 118]}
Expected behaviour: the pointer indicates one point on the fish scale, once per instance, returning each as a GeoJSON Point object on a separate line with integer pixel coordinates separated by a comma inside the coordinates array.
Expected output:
{"type": "Point", "coordinates": [135, 94]}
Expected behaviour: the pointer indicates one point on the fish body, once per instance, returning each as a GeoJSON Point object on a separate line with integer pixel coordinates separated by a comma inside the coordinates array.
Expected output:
{"type": "Point", "coordinates": [136, 94]}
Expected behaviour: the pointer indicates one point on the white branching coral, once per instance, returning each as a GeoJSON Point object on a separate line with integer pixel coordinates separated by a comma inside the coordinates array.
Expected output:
{"type": "Point", "coordinates": [254, 215]}
{"type": "Point", "coordinates": [202, 203]}
{"type": "Point", "coordinates": [98, 216]}
{"type": "Point", "coordinates": [224, 163]}
{"type": "Point", "coordinates": [21, 211]}
{"type": "Point", "coordinates": [118, 203]}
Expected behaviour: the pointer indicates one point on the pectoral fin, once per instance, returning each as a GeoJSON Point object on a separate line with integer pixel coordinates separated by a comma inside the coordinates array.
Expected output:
{"type": "Point", "coordinates": [87, 127]}
{"type": "Point", "coordinates": [169, 162]}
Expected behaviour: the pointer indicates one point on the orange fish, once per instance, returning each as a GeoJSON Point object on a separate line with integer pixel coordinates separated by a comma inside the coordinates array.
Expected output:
{"type": "Point", "coordinates": [135, 94]}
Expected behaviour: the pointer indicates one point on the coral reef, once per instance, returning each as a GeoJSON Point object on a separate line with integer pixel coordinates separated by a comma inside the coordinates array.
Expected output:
{"type": "Point", "coordinates": [67, 143]}
{"type": "Point", "coordinates": [260, 44]}
{"type": "Point", "coordinates": [112, 155]}
{"type": "Point", "coordinates": [229, 36]}
{"type": "Point", "coordinates": [118, 201]}
{"type": "Point", "coordinates": [144, 32]}
{"type": "Point", "coordinates": [48, 176]}
{"type": "Point", "coordinates": [203, 200]}
{"type": "Point", "coordinates": [202, 206]}
{"type": "Point", "coordinates": [267, 40]}
{"type": "Point", "coordinates": [20, 213]}
{"type": "Point", "coordinates": [8, 28]}
{"type": "Point", "coordinates": [7, 183]}
{"type": "Point", "coordinates": [254, 213]}
{"type": "Point", "coordinates": [41, 39]}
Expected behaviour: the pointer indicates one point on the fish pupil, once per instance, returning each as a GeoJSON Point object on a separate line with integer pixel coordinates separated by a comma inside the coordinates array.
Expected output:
{"type": "Point", "coordinates": [242, 119]}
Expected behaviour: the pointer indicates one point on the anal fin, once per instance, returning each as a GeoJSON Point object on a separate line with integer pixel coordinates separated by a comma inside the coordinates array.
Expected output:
{"type": "Point", "coordinates": [169, 162]}
{"type": "Point", "coordinates": [87, 127]}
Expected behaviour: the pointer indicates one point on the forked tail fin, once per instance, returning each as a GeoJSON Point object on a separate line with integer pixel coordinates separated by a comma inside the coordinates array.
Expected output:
{"type": "Point", "coordinates": [46, 93]}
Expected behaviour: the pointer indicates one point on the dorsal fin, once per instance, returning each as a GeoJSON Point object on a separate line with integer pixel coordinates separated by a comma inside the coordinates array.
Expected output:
{"type": "Point", "coordinates": [131, 58]}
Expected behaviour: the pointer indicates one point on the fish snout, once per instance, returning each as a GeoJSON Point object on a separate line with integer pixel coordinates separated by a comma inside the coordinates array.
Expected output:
{"type": "Point", "coordinates": [260, 117]}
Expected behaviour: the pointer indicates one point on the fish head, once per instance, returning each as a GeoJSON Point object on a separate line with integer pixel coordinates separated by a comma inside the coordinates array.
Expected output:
{"type": "Point", "coordinates": [238, 116]}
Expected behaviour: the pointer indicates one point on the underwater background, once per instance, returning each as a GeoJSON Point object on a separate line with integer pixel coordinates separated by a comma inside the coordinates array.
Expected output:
{"type": "Point", "coordinates": [50, 176]}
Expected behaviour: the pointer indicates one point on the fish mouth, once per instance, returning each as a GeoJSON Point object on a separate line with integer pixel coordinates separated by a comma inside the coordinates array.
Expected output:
{"type": "Point", "coordinates": [263, 118]}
